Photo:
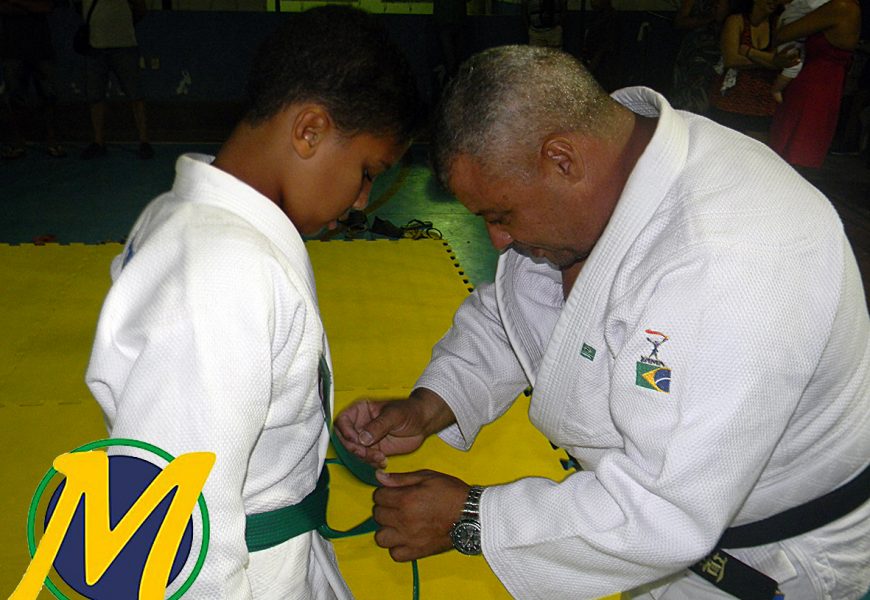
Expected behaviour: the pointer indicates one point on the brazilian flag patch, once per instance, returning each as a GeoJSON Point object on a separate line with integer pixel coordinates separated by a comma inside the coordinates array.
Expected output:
{"type": "Point", "coordinates": [653, 377]}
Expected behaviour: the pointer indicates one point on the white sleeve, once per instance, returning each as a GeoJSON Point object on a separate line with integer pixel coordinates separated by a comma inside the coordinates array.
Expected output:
{"type": "Point", "coordinates": [746, 328]}
{"type": "Point", "coordinates": [183, 360]}
{"type": "Point", "coordinates": [474, 369]}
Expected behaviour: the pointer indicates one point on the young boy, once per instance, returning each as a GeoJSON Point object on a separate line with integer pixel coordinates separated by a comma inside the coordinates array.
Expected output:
{"type": "Point", "coordinates": [210, 337]}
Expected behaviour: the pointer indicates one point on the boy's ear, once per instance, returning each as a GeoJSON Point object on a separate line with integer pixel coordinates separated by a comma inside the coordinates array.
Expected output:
{"type": "Point", "coordinates": [309, 126]}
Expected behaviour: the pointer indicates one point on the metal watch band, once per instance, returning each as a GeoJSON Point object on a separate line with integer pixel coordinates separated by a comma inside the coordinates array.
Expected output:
{"type": "Point", "coordinates": [465, 533]}
{"type": "Point", "coordinates": [471, 510]}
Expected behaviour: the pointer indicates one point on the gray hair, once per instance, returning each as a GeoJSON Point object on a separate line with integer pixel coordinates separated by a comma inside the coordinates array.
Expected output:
{"type": "Point", "coordinates": [505, 101]}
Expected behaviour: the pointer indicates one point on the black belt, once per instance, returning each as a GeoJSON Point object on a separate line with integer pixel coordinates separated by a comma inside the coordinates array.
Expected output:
{"type": "Point", "coordinates": [742, 581]}
{"type": "Point", "coordinates": [801, 519]}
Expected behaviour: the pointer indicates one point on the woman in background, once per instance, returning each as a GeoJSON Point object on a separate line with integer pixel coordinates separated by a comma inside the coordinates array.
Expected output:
{"type": "Point", "coordinates": [740, 97]}
{"type": "Point", "coordinates": [804, 124]}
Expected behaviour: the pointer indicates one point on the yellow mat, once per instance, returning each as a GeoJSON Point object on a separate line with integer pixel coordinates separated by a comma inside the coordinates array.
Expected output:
{"type": "Point", "coordinates": [384, 305]}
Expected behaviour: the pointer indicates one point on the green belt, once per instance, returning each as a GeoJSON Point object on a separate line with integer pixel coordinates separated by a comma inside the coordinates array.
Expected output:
{"type": "Point", "coordinates": [268, 529]}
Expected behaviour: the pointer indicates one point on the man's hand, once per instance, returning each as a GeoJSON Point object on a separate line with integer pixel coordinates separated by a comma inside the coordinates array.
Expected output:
{"type": "Point", "coordinates": [376, 429]}
{"type": "Point", "coordinates": [416, 511]}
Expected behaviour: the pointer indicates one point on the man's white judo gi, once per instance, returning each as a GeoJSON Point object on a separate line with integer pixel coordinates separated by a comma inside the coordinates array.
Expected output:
{"type": "Point", "coordinates": [209, 340]}
{"type": "Point", "coordinates": [710, 368]}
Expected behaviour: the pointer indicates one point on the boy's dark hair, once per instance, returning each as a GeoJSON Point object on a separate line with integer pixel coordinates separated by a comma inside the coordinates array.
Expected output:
{"type": "Point", "coordinates": [339, 57]}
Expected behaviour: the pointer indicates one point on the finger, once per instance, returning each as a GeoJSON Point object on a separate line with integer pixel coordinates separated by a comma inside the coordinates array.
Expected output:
{"type": "Point", "coordinates": [370, 456]}
{"type": "Point", "coordinates": [386, 516]}
{"type": "Point", "coordinates": [391, 497]}
{"type": "Point", "coordinates": [373, 458]}
{"type": "Point", "coordinates": [350, 444]}
{"type": "Point", "coordinates": [387, 537]}
{"type": "Point", "coordinates": [356, 416]}
{"type": "Point", "coordinates": [390, 420]}
{"type": "Point", "coordinates": [386, 497]}
{"type": "Point", "coordinates": [345, 429]}
{"type": "Point", "coordinates": [402, 479]}
{"type": "Point", "coordinates": [404, 554]}
{"type": "Point", "coordinates": [399, 552]}
{"type": "Point", "coordinates": [377, 458]}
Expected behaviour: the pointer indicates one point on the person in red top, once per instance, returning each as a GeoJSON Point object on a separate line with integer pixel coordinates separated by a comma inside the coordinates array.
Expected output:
{"type": "Point", "coordinates": [740, 97]}
{"type": "Point", "coordinates": [804, 124]}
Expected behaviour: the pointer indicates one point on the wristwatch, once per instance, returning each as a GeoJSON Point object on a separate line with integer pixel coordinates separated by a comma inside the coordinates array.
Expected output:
{"type": "Point", "coordinates": [465, 533]}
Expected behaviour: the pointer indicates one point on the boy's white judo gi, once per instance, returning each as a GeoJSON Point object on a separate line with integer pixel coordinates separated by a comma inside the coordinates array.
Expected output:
{"type": "Point", "coordinates": [209, 340]}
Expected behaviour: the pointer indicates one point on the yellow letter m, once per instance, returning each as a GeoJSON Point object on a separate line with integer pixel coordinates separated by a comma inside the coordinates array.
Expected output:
{"type": "Point", "coordinates": [87, 475]}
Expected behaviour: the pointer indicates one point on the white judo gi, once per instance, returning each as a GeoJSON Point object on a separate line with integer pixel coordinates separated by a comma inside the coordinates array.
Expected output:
{"type": "Point", "coordinates": [710, 368]}
{"type": "Point", "coordinates": [209, 340]}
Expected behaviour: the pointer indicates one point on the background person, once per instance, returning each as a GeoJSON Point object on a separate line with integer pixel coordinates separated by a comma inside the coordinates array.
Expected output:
{"type": "Point", "coordinates": [740, 96]}
{"type": "Point", "coordinates": [115, 51]}
{"type": "Point", "coordinates": [701, 24]}
{"type": "Point", "coordinates": [805, 123]}
{"type": "Point", "coordinates": [28, 61]}
{"type": "Point", "coordinates": [544, 21]}
{"type": "Point", "coordinates": [794, 10]}
{"type": "Point", "coordinates": [601, 43]}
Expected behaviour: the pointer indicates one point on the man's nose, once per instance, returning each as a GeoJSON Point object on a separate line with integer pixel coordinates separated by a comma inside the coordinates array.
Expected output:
{"type": "Point", "coordinates": [499, 237]}
{"type": "Point", "coordinates": [363, 199]}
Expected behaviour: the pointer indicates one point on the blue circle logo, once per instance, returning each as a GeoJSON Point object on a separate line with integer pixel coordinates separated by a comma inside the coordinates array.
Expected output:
{"type": "Point", "coordinates": [129, 477]}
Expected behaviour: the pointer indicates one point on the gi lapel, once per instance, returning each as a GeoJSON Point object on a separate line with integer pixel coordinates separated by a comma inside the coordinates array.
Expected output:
{"type": "Point", "coordinates": [566, 377]}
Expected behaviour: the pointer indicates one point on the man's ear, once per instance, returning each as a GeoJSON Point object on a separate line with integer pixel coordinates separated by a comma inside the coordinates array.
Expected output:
{"type": "Point", "coordinates": [309, 126]}
{"type": "Point", "coordinates": [560, 155]}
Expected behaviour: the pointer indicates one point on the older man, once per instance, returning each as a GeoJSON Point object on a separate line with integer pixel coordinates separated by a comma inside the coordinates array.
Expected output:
{"type": "Point", "coordinates": [692, 320]}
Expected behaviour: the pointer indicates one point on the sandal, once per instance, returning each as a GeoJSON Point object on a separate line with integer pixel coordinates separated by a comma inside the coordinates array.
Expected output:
{"type": "Point", "coordinates": [12, 152]}
{"type": "Point", "coordinates": [56, 151]}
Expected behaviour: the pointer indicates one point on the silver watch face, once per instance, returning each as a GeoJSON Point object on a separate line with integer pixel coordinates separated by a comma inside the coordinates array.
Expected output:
{"type": "Point", "coordinates": [466, 537]}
